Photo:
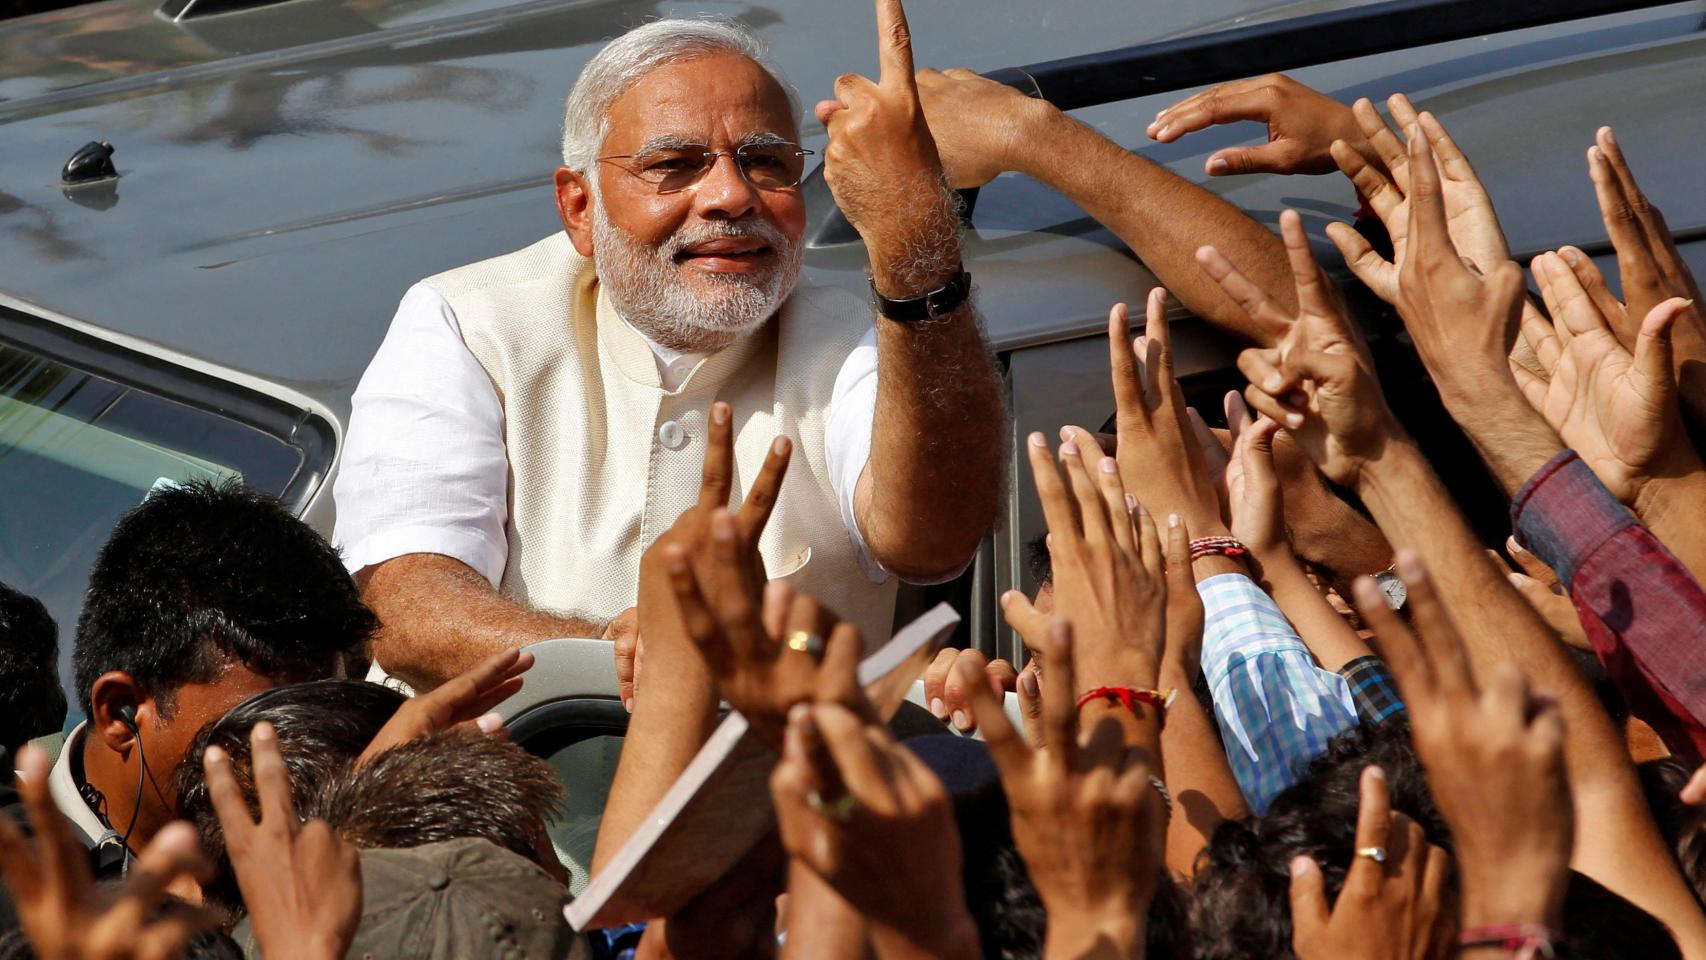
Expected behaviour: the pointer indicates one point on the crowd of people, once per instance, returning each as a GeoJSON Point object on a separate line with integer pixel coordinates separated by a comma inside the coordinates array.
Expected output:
{"type": "Point", "coordinates": [1282, 700]}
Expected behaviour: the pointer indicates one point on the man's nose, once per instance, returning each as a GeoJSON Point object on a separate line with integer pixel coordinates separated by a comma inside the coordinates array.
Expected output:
{"type": "Point", "coordinates": [723, 193]}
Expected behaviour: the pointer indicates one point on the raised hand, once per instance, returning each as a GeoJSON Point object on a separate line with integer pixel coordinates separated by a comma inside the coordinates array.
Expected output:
{"type": "Point", "coordinates": [691, 532]}
{"type": "Point", "coordinates": [949, 699]}
{"type": "Point", "coordinates": [979, 125]}
{"type": "Point", "coordinates": [1651, 271]}
{"type": "Point", "coordinates": [1086, 817]}
{"type": "Point", "coordinates": [1317, 383]}
{"type": "Point", "coordinates": [1380, 170]}
{"type": "Point", "coordinates": [866, 815]}
{"type": "Point", "coordinates": [1108, 577]}
{"type": "Point", "coordinates": [1253, 494]}
{"type": "Point", "coordinates": [1494, 756]}
{"type": "Point", "coordinates": [881, 164]}
{"type": "Point", "coordinates": [62, 912]}
{"type": "Point", "coordinates": [765, 657]}
{"type": "Point", "coordinates": [1161, 460]}
{"type": "Point", "coordinates": [1302, 124]}
{"type": "Point", "coordinates": [1384, 911]}
{"type": "Point", "coordinates": [465, 699]}
{"type": "Point", "coordinates": [1617, 409]}
{"type": "Point", "coordinates": [301, 883]}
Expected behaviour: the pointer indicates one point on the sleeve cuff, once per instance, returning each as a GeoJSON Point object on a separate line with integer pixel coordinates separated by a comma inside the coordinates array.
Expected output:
{"type": "Point", "coordinates": [1564, 513]}
{"type": "Point", "coordinates": [480, 554]}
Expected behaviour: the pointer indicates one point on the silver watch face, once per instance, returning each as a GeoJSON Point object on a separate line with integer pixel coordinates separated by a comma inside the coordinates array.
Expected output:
{"type": "Point", "coordinates": [1393, 587]}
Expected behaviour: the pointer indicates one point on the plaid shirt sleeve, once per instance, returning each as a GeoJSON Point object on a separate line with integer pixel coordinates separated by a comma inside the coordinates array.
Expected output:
{"type": "Point", "coordinates": [1276, 708]}
{"type": "Point", "coordinates": [1373, 689]}
{"type": "Point", "coordinates": [1642, 610]}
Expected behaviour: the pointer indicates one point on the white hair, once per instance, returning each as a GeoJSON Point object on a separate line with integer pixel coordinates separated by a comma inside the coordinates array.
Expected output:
{"type": "Point", "coordinates": [626, 59]}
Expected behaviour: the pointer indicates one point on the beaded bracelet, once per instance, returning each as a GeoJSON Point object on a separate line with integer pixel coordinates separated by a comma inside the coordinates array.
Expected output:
{"type": "Point", "coordinates": [1217, 547]}
{"type": "Point", "coordinates": [1525, 941]}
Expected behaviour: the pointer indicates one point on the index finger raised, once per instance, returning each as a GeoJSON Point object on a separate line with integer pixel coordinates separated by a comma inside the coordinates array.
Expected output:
{"type": "Point", "coordinates": [1374, 824]}
{"type": "Point", "coordinates": [894, 45]}
{"type": "Point", "coordinates": [715, 481]}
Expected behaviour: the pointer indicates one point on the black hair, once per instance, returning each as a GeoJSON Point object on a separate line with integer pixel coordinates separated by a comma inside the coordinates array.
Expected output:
{"type": "Point", "coordinates": [31, 701]}
{"type": "Point", "coordinates": [1037, 560]}
{"type": "Point", "coordinates": [321, 726]}
{"type": "Point", "coordinates": [1241, 905]}
{"type": "Point", "coordinates": [204, 573]}
{"type": "Point", "coordinates": [1683, 824]}
{"type": "Point", "coordinates": [451, 785]}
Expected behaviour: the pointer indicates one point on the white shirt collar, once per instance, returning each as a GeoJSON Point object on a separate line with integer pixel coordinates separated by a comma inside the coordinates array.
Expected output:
{"type": "Point", "coordinates": [62, 785]}
{"type": "Point", "coordinates": [673, 365]}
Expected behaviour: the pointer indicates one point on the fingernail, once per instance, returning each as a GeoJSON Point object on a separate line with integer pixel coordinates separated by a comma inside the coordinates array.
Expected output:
{"type": "Point", "coordinates": [1162, 132]}
{"type": "Point", "coordinates": [1028, 683]}
{"type": "Point", "coordinates": [1218, 165]}
{"type": "Point", "coordinates": [1410, 565]}
{"type": "Point", "coordinates": [799, 712]}
{"type": "Point", "coordinates": [1516, 579]}
{"type": "Point", "coordinates": [1038, 440]}
{"type": "Point", "coordinates": [1301, 866]}
{"type": "Point", "coordinates": [213, 755]}
{"type": "Point", "coordinates": [1273, 383]}
{"type": "Point", "coordinates": [720, 413]}
{"type": "Point", "coordinates": [263, 731]}
{"type": "Point", "coordinates": [938, 708]}
{"type": "Point", "coordinates": [1375, 771]}
{"type": "Point", "coordinates": [1172, 519]}
{"type": "Point", "coordinates": [489, 723]}
{"type": "Point", "coordinates": [1294, 420]}
{"type": "Point", "coordinates": [1596, 153]}
{"type": "Point", "coordinates": [1610, 136]}
{"type": "Point", "coordinates": [1065, 433]}
{"type": "Point", "coordinates": [1131, 504]}
{"type": "Point", "coordinates": [1109, 465]}
{"type": "Point", "coordinates": [1687, 304]}
{"type": "Point", "coordinates": [628, 704]}
{"type": "Point", "coordinates": [779, 445]}
{"type": "Point", "coordinates": [1069, 449]}
{"type": "Point", "coordinates": [961, 721]}
{"type": "Point", "coordinates": [1570, 256]}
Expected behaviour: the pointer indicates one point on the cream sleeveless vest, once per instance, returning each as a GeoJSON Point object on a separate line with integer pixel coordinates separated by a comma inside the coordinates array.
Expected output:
{"type": "Point", "coordinates": [603, 459]}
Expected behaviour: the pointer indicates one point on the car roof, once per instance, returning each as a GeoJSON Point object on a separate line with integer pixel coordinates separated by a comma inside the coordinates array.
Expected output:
{"type": "Point", "coordinates": [274, 203]}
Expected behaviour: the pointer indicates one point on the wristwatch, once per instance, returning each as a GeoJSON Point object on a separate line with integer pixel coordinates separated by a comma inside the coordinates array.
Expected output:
{"type": "Point", "coordinates": [1392, 587]}
{"type": "Point", "coordinates": [934, 305]}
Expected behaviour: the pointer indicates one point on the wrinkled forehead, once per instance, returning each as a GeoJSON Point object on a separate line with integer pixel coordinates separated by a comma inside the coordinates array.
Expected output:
{"type": "Point", "coordinates": [722, 99]}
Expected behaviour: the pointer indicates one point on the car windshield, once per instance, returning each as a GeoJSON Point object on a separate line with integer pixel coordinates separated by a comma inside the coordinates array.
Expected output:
{"type": "Point", "coordinates": [77, 450]}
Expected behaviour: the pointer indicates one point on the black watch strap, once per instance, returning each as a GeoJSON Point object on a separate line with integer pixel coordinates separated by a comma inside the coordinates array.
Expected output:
{"type": "Point", "coordinates": [937, 303]}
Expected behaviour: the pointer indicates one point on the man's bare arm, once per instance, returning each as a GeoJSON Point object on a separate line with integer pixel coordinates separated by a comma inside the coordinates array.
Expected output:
{"type": "Point", "coordinates": [439, 617]}
{"type": "Point", "coordinates": [931, 488]}
{"type": "Point", "coordinates": [984, 128]}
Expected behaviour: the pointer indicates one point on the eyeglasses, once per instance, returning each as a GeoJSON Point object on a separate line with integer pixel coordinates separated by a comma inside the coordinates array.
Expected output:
{"type": "Point", "coordinates": [767, 166]}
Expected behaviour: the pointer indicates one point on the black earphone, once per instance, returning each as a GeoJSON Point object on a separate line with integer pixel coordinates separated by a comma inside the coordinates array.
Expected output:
{"type": "Point", "coordinates": [127, 716]}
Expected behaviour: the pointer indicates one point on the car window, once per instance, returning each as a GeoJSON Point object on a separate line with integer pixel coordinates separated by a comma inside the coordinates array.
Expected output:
{"type": "Point", "coordinates": [77, 450]}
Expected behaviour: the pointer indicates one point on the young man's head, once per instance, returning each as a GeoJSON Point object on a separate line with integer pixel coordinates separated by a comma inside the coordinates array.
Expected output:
{"type": "Point", "coordinates": [204, 595]}
{"type": "Point", "coordinates": [31, 702]}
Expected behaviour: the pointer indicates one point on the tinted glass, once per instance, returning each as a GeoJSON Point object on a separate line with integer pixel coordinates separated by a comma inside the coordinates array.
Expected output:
{"type": "Point", "coordinates": [78, 450]}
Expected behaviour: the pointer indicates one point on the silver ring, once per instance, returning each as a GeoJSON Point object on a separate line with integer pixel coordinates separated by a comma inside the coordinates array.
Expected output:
{"type": "Point", "coordinates": [1377, 854]}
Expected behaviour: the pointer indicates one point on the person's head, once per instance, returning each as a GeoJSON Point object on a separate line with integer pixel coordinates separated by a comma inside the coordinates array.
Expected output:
{"type": "Point", "coordinates": [458, 784]}
{"type": "Point", "coordinates": [1683, 824]}
{"type": "Point", "coordinates": [31, 701]}
{"type": "Point", "coordinates": [205, 595]}
{"type": "Point", "coordinates": [692, 258]}
{"type": "Point", "coordinates": [321, 728]}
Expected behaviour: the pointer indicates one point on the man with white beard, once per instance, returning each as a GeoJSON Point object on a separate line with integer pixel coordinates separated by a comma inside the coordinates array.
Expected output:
{"type": "Point", "coordinates": [533, 422]}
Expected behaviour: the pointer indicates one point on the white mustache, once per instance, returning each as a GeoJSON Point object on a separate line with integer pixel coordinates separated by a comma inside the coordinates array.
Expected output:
{"type": "Point", "coordinates": [722, 230]}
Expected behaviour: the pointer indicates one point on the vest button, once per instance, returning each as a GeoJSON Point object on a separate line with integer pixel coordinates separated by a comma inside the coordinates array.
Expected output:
{"type": "Point", "coordinates": [671, 435]}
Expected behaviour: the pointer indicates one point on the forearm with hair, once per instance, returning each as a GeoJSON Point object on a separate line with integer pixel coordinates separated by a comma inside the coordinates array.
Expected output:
{"type": "Point", "coordinates": [933, 483]}
{"type": "Point", "coordinates": [821, 924]}
{"type": "Point", "coordinates": [439, 618]}
{"type": "Point", "coordinates": [1616, 842]}
{"type": "Point", "coordinates": [1671, 508]}
{"type": "Point", "coordinates": [1163, 218]}
{"type": "Point", "coordinates": [1324, 632]}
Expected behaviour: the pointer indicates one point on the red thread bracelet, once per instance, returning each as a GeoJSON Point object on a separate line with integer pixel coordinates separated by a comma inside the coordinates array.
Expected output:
{"type": "Point", "coordinates": [1130, 697]}
{"type": "Point", "coordinates": [1217, 547]}
{"type": "Point", "coordinates": [1525, 941]}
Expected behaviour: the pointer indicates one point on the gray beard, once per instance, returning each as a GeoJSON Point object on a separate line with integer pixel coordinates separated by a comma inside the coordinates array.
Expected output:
{"type": "Point", "coordinates": [701, 314]}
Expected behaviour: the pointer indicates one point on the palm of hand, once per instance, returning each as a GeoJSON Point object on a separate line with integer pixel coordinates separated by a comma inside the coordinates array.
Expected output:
{"type": "Point", "coordinates": [1611, 415]}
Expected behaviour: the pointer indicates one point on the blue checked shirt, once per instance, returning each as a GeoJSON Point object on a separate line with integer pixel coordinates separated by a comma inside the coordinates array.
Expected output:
{"type": "Point", "coordinates": [1276, 708]}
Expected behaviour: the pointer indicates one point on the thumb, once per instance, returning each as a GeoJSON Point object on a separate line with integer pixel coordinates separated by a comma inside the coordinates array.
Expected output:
{"type": "Point", "coordinates": [1694, 791]}
{"type": "Point", "coordinates": [1032, 624]}
{"type": "Point", "coordinates": [1232, 161]}
{"type": "Point", "coordinates": [1309, 914]}
{"type": "Point", "coordinates": [1259, 450]}
{"type": "Point", "coordinates": [1653, 344]}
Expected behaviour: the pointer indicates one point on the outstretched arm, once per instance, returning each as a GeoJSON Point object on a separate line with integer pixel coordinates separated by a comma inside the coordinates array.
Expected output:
{"type": "Point", "coordinates": [932, 485]}
{"type": "Point", "coordinates": [984, 128]}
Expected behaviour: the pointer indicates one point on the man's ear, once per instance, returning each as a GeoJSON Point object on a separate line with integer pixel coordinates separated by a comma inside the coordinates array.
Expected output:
{"type": "Point", "coordinates": [112, 692]}
{"type": "Point", "coordinates": [574, 205]}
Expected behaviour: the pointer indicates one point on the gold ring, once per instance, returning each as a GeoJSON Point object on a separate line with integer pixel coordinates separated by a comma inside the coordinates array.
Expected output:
{"type": "Point", "coordinates": [805, 641]}
{"type": "Point", "coordinates": [1377, 854]}
{"type": "Point", "coordinates": [840, 809]}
